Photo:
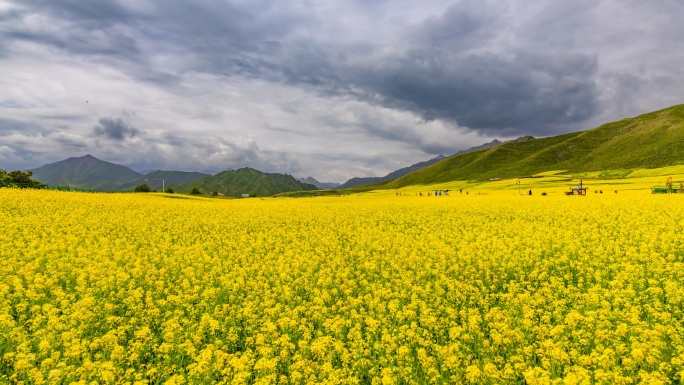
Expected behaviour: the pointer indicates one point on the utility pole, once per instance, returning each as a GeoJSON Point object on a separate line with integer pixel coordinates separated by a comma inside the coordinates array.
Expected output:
{"type": "Point", "coordinates": [163, 189]}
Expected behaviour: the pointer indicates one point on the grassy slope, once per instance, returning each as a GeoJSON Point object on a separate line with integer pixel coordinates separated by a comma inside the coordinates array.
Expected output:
{"type": "Point", "coordinates": [247, 181]}
{"type": "Point", "coordinates": [651, 140]}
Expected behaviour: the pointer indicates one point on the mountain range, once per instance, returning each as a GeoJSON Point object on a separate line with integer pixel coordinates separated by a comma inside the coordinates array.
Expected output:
{"type": "Point", "coordinates": [91, 173]}
{"type": "Point", "coordinates": [650, 140]}
{"type": "Point", "coordinates": [246, 181]}
{"type": "Point", "coordinates": [355, 182]}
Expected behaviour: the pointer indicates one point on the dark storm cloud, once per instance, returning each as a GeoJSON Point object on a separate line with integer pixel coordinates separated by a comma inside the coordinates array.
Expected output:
{"type": "Point", "coordinates": [114, 128]}
{"type": "Point", "coordinates": [445, 67]}
{"type": "Point", "coordinates": [211, 37]}
{"type": "Point", "coordinates": [490, 91]}
{"type": "Point", "coordinates": [443, 75]}
{"type": "Point", "coordinates": [466, 23]}
{"type": "Point", "coordinates": [438, 75]}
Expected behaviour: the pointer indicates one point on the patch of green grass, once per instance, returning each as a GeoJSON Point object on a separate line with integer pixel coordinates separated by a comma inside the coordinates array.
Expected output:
{"type": "Point", "coordinates": [174, 197]}
{"type": "Point", "coordinates": [663, 171]}
{"type": "Point", "coordinates": [603, 174]}
{"type": "Point", "coordinates": [614, 174]}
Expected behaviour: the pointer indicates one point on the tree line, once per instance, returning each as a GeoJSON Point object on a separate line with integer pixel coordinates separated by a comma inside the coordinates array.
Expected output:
{"type": "Point", "coordinates": [18, 178]}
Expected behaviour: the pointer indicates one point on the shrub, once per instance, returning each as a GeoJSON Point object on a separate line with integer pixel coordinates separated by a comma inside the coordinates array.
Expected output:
{"type": "Point", "coordinates": [195, 191]}
{"type": "Point", "coordinates": [142, 188]}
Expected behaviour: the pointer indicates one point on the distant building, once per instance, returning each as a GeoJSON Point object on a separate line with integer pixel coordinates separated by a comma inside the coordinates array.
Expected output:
{"type": "Point", "coordinates": [245, 195]}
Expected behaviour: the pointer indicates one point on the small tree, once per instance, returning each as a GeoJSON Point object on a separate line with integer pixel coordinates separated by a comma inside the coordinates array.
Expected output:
{"type": "Point", "coordinates": [5, 178]}
{"type": "Point", "coordinates": [195, 191]}
{"type": "Point", "coordinates": [169, 190]}
{"type": "Point", "coordinates": [142, 188]}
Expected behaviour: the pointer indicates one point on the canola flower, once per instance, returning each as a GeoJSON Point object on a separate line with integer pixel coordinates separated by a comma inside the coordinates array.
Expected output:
{"type": "Point", "coordinates": [141, 289]}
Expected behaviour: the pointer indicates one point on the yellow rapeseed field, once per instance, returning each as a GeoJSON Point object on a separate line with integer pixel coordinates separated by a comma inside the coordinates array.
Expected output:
{"type": "Point", "coordinates": [372, 289]}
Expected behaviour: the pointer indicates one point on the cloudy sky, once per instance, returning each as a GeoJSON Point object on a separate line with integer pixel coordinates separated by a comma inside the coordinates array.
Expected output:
{"type": "Point", "coordinates": [323, 88]}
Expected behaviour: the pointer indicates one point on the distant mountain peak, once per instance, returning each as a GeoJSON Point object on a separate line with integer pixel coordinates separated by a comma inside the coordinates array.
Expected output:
{"type": "Point", "coordinates": [85, 172]}
{"type": "Point", "coordinates": [354, 182]}
{"type": "Point", "coordinates": [320, 185]}
{"type": "Point", "coordinates": [245, 170]}
{"type": "Point", "coordinates": [493, 143]}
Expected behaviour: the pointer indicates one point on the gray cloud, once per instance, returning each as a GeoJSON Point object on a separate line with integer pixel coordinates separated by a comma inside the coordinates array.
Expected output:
{"type": "Point", "coordinates": [445, 66]}
{"type": "Point", "coordinates": [9, 125]}
{"type": "Point", "coordinates": [114, 128]}
{"type": "Point", "coordinates": [296, 78]}
{"type": "Point", "coordinates": [490, 91]}
{"type": "Point", "coordinates": [92, 13]}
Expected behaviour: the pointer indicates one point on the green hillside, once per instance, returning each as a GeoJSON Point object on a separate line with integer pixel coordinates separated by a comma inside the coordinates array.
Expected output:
{"type": "Point", "coordinates": [651, 140]}
{"type": "Point", "coordinates": [154, 179]}
{"type": "Point", "coordinates": [85, 172]}
{"type": "Point", "coordinates": [246, 181]}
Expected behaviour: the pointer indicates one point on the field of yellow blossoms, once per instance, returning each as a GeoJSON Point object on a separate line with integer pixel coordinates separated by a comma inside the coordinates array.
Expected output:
{"type": "Point", "coordinates": [481, 289]}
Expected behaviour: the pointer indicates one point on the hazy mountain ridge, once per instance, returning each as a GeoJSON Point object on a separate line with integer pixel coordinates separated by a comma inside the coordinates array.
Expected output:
{"type": "Point", "coordinates": [360, 181]}
{"type": "Point", "coordinates": [319, 185]}
{"type": "Point", "coordinates": [491, 144]}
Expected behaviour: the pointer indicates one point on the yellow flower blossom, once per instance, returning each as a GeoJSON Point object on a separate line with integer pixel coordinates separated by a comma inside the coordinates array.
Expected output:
{"type": "Point", "coordinates": [379, 289]}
